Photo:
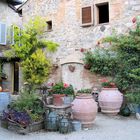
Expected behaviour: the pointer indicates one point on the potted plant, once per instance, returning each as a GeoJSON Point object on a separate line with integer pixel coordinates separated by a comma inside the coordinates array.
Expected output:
{"type": "Point", "coordinates": [59, 91]}
{"type": "Point", "coordinates": [4, 94]}
{"type": "Point", "coordinates": [133, 101]}
{"type": "Point", "coordinates": [110, 98]}
{"type": "Point", "coordinates": [84, 91]}
{"type": "Point", "coordinates": [25, 114]}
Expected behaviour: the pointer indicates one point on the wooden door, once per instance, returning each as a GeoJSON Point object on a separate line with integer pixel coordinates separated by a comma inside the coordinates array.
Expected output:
{"type": "Point", "coordinates": [16, 77]}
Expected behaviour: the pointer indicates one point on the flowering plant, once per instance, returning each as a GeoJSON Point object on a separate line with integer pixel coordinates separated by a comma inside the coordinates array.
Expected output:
{"type": "Point", "coordinates": [108, 84]}
{"type": "Point", "coordinates": [62, 88]}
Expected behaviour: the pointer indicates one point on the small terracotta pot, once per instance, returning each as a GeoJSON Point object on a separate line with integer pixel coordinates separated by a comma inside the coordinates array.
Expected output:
{"type": "Point", "coordinates": [0, 89]}
{"type": "Point", "coordinates": [58, 99]}
{"type": "Point", "coordinates": [110, 100]}
{"type": "Point", "coordinates": [84, 109]}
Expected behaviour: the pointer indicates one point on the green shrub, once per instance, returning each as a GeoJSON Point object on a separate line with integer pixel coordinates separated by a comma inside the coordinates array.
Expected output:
{"type": "Point", "coordinates": [36, 69]}
{"type": "Point", "coordinates": [101, 62]}
{"type": "Point", "coordinates": [121, 60]}
{"type": "Point", "coordinates": [29, 103]}
{"type": "Point", "coordinates": [87, 90]}
{"type": "Point", "coordinates": [133, 97]}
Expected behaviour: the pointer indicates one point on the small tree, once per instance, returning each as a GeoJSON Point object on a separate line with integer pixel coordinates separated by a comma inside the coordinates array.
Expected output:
{"type": "Point", "coordinates": [30, 48]}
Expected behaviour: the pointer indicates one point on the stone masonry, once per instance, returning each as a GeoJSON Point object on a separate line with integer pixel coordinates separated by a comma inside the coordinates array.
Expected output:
{"type": "Point", "coordinates": [71, 36]}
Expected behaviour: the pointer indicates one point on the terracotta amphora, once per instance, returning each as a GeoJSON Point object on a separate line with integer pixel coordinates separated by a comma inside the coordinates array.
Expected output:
{"type": "Point", "coordinates": [84, 109]}
{"type": "Point", "coordinates": [110, 100]}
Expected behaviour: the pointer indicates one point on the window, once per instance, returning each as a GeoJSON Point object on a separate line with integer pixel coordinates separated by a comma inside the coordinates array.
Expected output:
{"type": "Point", "coordinates": [102, 13]}
{"type": "Point", "coordinates": [3, 32]}
{"type": "Point", "coordinates": [20, 12]}
{"type": "Point", "coordinates": [10, 35]}
{"type": "Point", "coordinates": [49, 25]}
{"type": "Point", "coordinates": [87, 16]}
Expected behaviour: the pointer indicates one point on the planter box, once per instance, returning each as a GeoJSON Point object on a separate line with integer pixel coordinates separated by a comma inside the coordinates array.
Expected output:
{"type": "Point", "coordinates": [17, 128]}
{"type": "Point", "coordinates": [4, 123]}
{"type": "Point", "coordinates": [36, 126]}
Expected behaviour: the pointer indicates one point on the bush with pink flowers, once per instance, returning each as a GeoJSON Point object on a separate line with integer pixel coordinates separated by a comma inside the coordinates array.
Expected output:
{"type": "Point", "coordinates": [108, 84]}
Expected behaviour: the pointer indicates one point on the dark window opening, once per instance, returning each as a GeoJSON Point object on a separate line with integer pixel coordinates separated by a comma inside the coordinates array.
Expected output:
{"type": "Point", "coordinates": [103, 10]}
{"type": "Point", "coordinates": [20, 12]}
{"type": "Point", "coordinates": [49, 25]}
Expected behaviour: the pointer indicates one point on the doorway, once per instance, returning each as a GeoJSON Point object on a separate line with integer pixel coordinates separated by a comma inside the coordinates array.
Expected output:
{"type": "Point", "coordinates": [16, 77]}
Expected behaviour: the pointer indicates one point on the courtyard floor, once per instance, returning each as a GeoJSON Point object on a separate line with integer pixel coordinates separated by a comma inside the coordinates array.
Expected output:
{"type": "Point", "coordinates": [105, 128]}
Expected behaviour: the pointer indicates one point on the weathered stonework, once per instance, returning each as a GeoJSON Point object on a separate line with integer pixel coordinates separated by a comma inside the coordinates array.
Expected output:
{"type": "Point", "coordinates": [68, 32]}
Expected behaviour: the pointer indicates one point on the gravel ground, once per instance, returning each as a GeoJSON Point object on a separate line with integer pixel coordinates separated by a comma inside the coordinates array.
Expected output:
{"type": "Point", "coordinates": [105, 128]}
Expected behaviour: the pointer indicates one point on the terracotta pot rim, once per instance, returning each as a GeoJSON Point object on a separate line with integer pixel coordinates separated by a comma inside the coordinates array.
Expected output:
{"type": "Point", "coordinates": [58, 95]}
{"type": "Point", "coordinates": [109, 88]}
{"type": "Point", "coordinates": [84, 96]}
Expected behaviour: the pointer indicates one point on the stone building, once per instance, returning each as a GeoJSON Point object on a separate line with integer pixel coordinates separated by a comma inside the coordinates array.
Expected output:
{"type": "Point", "coordinates": [79, 25]}
{"type": "Point", "coordinates": [8, 17]}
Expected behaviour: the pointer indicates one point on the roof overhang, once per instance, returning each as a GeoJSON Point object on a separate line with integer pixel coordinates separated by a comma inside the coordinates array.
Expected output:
{"type": "Point", "coordinates": [14, 2]}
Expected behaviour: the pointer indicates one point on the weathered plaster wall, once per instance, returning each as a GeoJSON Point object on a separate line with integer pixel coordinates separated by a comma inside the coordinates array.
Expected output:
{"type": "Point", "coordinates": [8, 15]}
{"type": "Point", "coordinates": [67, 30]}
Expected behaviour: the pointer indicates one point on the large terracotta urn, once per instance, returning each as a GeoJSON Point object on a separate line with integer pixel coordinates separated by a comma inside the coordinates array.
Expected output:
{"type": "Point", "coordinates": [110, 100]}
{"type": "Point", "coordinates": [84, 109]}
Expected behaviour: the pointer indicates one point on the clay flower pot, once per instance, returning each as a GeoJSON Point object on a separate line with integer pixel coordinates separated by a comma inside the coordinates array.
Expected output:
{"type": "Point", "coordinates": [58, 99]}
{"type": "Point", "coordinates": [84, 109]}
{"type": "Point", "coordinates": [110, 100]}
{"type": "Point", "coordinates": [0, 89]}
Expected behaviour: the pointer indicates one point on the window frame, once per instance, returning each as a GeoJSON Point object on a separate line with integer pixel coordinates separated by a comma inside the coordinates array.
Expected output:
{"type": "Point", "coordinates": [96, 5]}
{"type": "Point", "coordinates": [49, 30]}
{"type": "Point", "coordinates": [5, 35]}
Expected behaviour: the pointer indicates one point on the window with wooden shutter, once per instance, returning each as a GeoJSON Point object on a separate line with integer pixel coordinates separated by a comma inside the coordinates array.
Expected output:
{"type": "Point", "coordinates": [3, 33]}
{"type": "Point", "coordinates": [87, 15]}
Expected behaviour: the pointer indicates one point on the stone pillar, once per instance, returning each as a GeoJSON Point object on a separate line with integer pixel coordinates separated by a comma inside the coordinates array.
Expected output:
{"type": "Point", "coordinates": [20, 77]}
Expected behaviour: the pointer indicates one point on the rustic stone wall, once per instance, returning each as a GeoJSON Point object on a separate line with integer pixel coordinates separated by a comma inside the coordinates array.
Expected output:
{"type": "Point", "coordinates": [68, 32]}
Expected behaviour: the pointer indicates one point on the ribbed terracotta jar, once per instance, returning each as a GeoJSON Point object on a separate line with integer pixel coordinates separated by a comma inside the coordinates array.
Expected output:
{"type": "Point", "coordinates": [110, 100]}
{"type": "Point", "coordinates": [84, 109]}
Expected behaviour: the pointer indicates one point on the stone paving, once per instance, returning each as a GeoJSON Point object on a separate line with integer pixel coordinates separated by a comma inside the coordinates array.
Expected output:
{"type": "Point", "coordinates": [105, 128]}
